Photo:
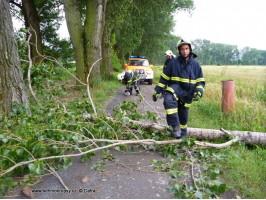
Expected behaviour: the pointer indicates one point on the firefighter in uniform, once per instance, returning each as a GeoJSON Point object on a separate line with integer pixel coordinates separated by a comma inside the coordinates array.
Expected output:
{"type": "Point", "coordinates": [169, 56]}
{"type": "Point", "coordinates": [132, 79]}
{"type": "Point", "coordinates": [184, 80]}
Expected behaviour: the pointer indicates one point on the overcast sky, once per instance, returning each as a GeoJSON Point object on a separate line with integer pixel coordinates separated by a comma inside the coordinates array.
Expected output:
{"type": "Point", "coordinates": [237, 22]}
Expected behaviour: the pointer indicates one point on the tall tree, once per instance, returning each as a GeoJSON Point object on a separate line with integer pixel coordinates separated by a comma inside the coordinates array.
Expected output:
{"type": "Point", "coordinates": [86, 36]}
{"type": "Point", "coordinates": [32, 23]}
{"type": "Point", "coordinates": [12, 85]}
{"type": "Point", "coordinates": [148, 26]}
{"type": "Point", "coordinates": [116, 13]}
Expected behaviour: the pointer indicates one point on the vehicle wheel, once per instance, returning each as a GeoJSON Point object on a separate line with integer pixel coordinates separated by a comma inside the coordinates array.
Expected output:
{"type": "Point", "coordinates": [150, 81]}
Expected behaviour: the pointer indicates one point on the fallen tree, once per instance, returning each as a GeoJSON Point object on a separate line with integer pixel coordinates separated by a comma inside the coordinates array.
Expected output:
{"type": "Point", "coordinates": [203, 134]}
{"type": "Point", "coordinates": [211, 134]}
{"type": "Point", "coordinates": [245, 136]}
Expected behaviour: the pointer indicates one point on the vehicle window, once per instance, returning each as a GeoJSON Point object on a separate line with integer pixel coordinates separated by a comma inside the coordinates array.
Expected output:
{"type": "Point", "coordinates": [133, 62]}
{"type": "Point", "coordinates": [146, 63]}
{"type": "Point", "coordinates": [139, 63]}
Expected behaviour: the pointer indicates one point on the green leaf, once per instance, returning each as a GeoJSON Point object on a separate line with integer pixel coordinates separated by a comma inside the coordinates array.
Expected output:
{"type": "Point", "coordinates": [75, 138]}
{"type": "Point", "coordinates": [198, 194]}
{"type": "Point", "coordinates": [19, 152]}
{"type": "Point", "coordinates": [32, 167]}
{"type": "Point", "coordinates": [5, 140]}
{"type": "Point", "coordinates": [177, 187]}
{"type": "Point", "coordinates": [174, 174]}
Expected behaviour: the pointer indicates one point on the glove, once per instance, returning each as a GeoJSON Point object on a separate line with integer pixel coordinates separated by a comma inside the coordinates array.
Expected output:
{"type": "Point", "coordinates": [197, 95]}
{"type": "Point", "coordinates": [155, 96]}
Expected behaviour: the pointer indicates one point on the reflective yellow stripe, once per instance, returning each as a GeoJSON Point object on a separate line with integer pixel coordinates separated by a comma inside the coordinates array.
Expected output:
{"type": "Point", "coordinates": [161, 85]}
{"type": "Point", "coordinates": [175, 78]}
{"type": "Point", "coordinates": [200, 79]}
{"type": "Point", "coordinates": [165, 77]}
{"type": "Point", "coordinates": [173, 92]}
{"type": "Point", "coordinates": [184, 80]}
{"type": "Point", "coordinates": [187, 105]}
{"type": "Point", "coordinates": [170, 89]}
{"type": "Point", "coordinates": [175, 96]}
{"type": "Point", "coordinates": [171, 111]}
{"type": "Point", "coordinates": [192, 81]}
{"type": "Point", "coordinates": [183, 126]}
{"type": "Point", "coordinates": [200, 86]}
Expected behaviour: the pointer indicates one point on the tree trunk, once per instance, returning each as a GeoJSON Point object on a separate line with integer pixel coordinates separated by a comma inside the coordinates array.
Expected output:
{"type": "Point", "coordinates": [87, 39]}
{"type": "Point", "coordinates": [95, 18]}
{"type": "Point", "coordinates": [201, 134]}
{"type": "Point", "coordinates": [211, 134]}
{"type": "Point", "coordinates": [12, 85]}
{"type": "Point", "coordinates": [32, 23]}
{"type": "Point", "coordinates": [74, 24]}
{"type": "Point", "coordinates": [106, 67]}
{"type": "Point", "coordinates": [244, 136]}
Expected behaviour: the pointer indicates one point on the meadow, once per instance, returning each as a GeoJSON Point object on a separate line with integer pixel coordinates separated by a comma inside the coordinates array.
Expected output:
{"type": "Point", "coordinates": [250, 98]}
{"type": "Point", "coordinates": [244, 165]}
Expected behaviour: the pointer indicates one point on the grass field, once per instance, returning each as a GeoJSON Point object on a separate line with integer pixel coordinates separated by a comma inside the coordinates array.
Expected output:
{"type": "Point", "coordinates": [250, 98]}
{"type": "Point", "coordinates": [245, 166]}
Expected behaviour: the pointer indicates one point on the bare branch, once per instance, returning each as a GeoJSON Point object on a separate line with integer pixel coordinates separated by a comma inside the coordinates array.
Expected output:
{"type": "Point", "coordinates": [57, 176]}
{"type": "Point", "coordinates": [88, 85]}
{"type": "Point", "coordinates": [30, 65]}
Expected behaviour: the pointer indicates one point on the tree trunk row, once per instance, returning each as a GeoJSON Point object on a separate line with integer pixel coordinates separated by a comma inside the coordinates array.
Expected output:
{"type": "Point", "coordinates": [12, 84]}
{"type": "Point", "coordinates": [87, 38]}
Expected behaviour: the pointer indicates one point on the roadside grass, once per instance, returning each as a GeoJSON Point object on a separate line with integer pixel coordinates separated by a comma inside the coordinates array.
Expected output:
{"type": "Point", "coordinates": [103, 90]}
{"type": "Point", "coordinates": [244, 168]}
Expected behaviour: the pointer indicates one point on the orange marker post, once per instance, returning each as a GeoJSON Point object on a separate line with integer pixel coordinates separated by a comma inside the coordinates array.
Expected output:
{"type": "Point", "coordinates": [228, 96]}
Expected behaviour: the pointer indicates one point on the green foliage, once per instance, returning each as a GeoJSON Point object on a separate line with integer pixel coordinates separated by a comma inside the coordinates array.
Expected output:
{"type": "Point", "coordinates": [116, 63]}
{"type": "Point", "coordinates": [186, 160]}
{"type": "Point", "coordinates": [138, 32]}
{"type": "Point", "coordinates": [55, 129]}
{"type": "Point", "coordinates": [22, 44]}
{"type": "Point", "coordinates": [6, 183]}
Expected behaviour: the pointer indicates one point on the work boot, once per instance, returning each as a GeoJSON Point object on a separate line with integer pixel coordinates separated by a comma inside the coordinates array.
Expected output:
{"type": "Point", "coordinates": [137, 92]}
{"type": "Point", "coordinates": [176, 133]}
{"type": "Point", "coordinates": [183, 132]}
{"type": "Point", "coordinates": [127, 92]}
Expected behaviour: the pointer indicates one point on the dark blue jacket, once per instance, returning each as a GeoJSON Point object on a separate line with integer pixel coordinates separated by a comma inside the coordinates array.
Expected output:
{"type": "Point", "coordinates": [180, 75]}
{"type": "Point", "coordinates": [167, 62]}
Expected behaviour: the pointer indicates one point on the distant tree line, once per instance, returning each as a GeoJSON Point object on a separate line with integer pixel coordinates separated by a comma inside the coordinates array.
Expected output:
{"type": "Point", "coordinates": [223, 54]}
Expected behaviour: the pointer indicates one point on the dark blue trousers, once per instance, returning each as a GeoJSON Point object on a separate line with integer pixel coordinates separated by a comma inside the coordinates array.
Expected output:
{"type": "Point", "coordinates": [176, 112]}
